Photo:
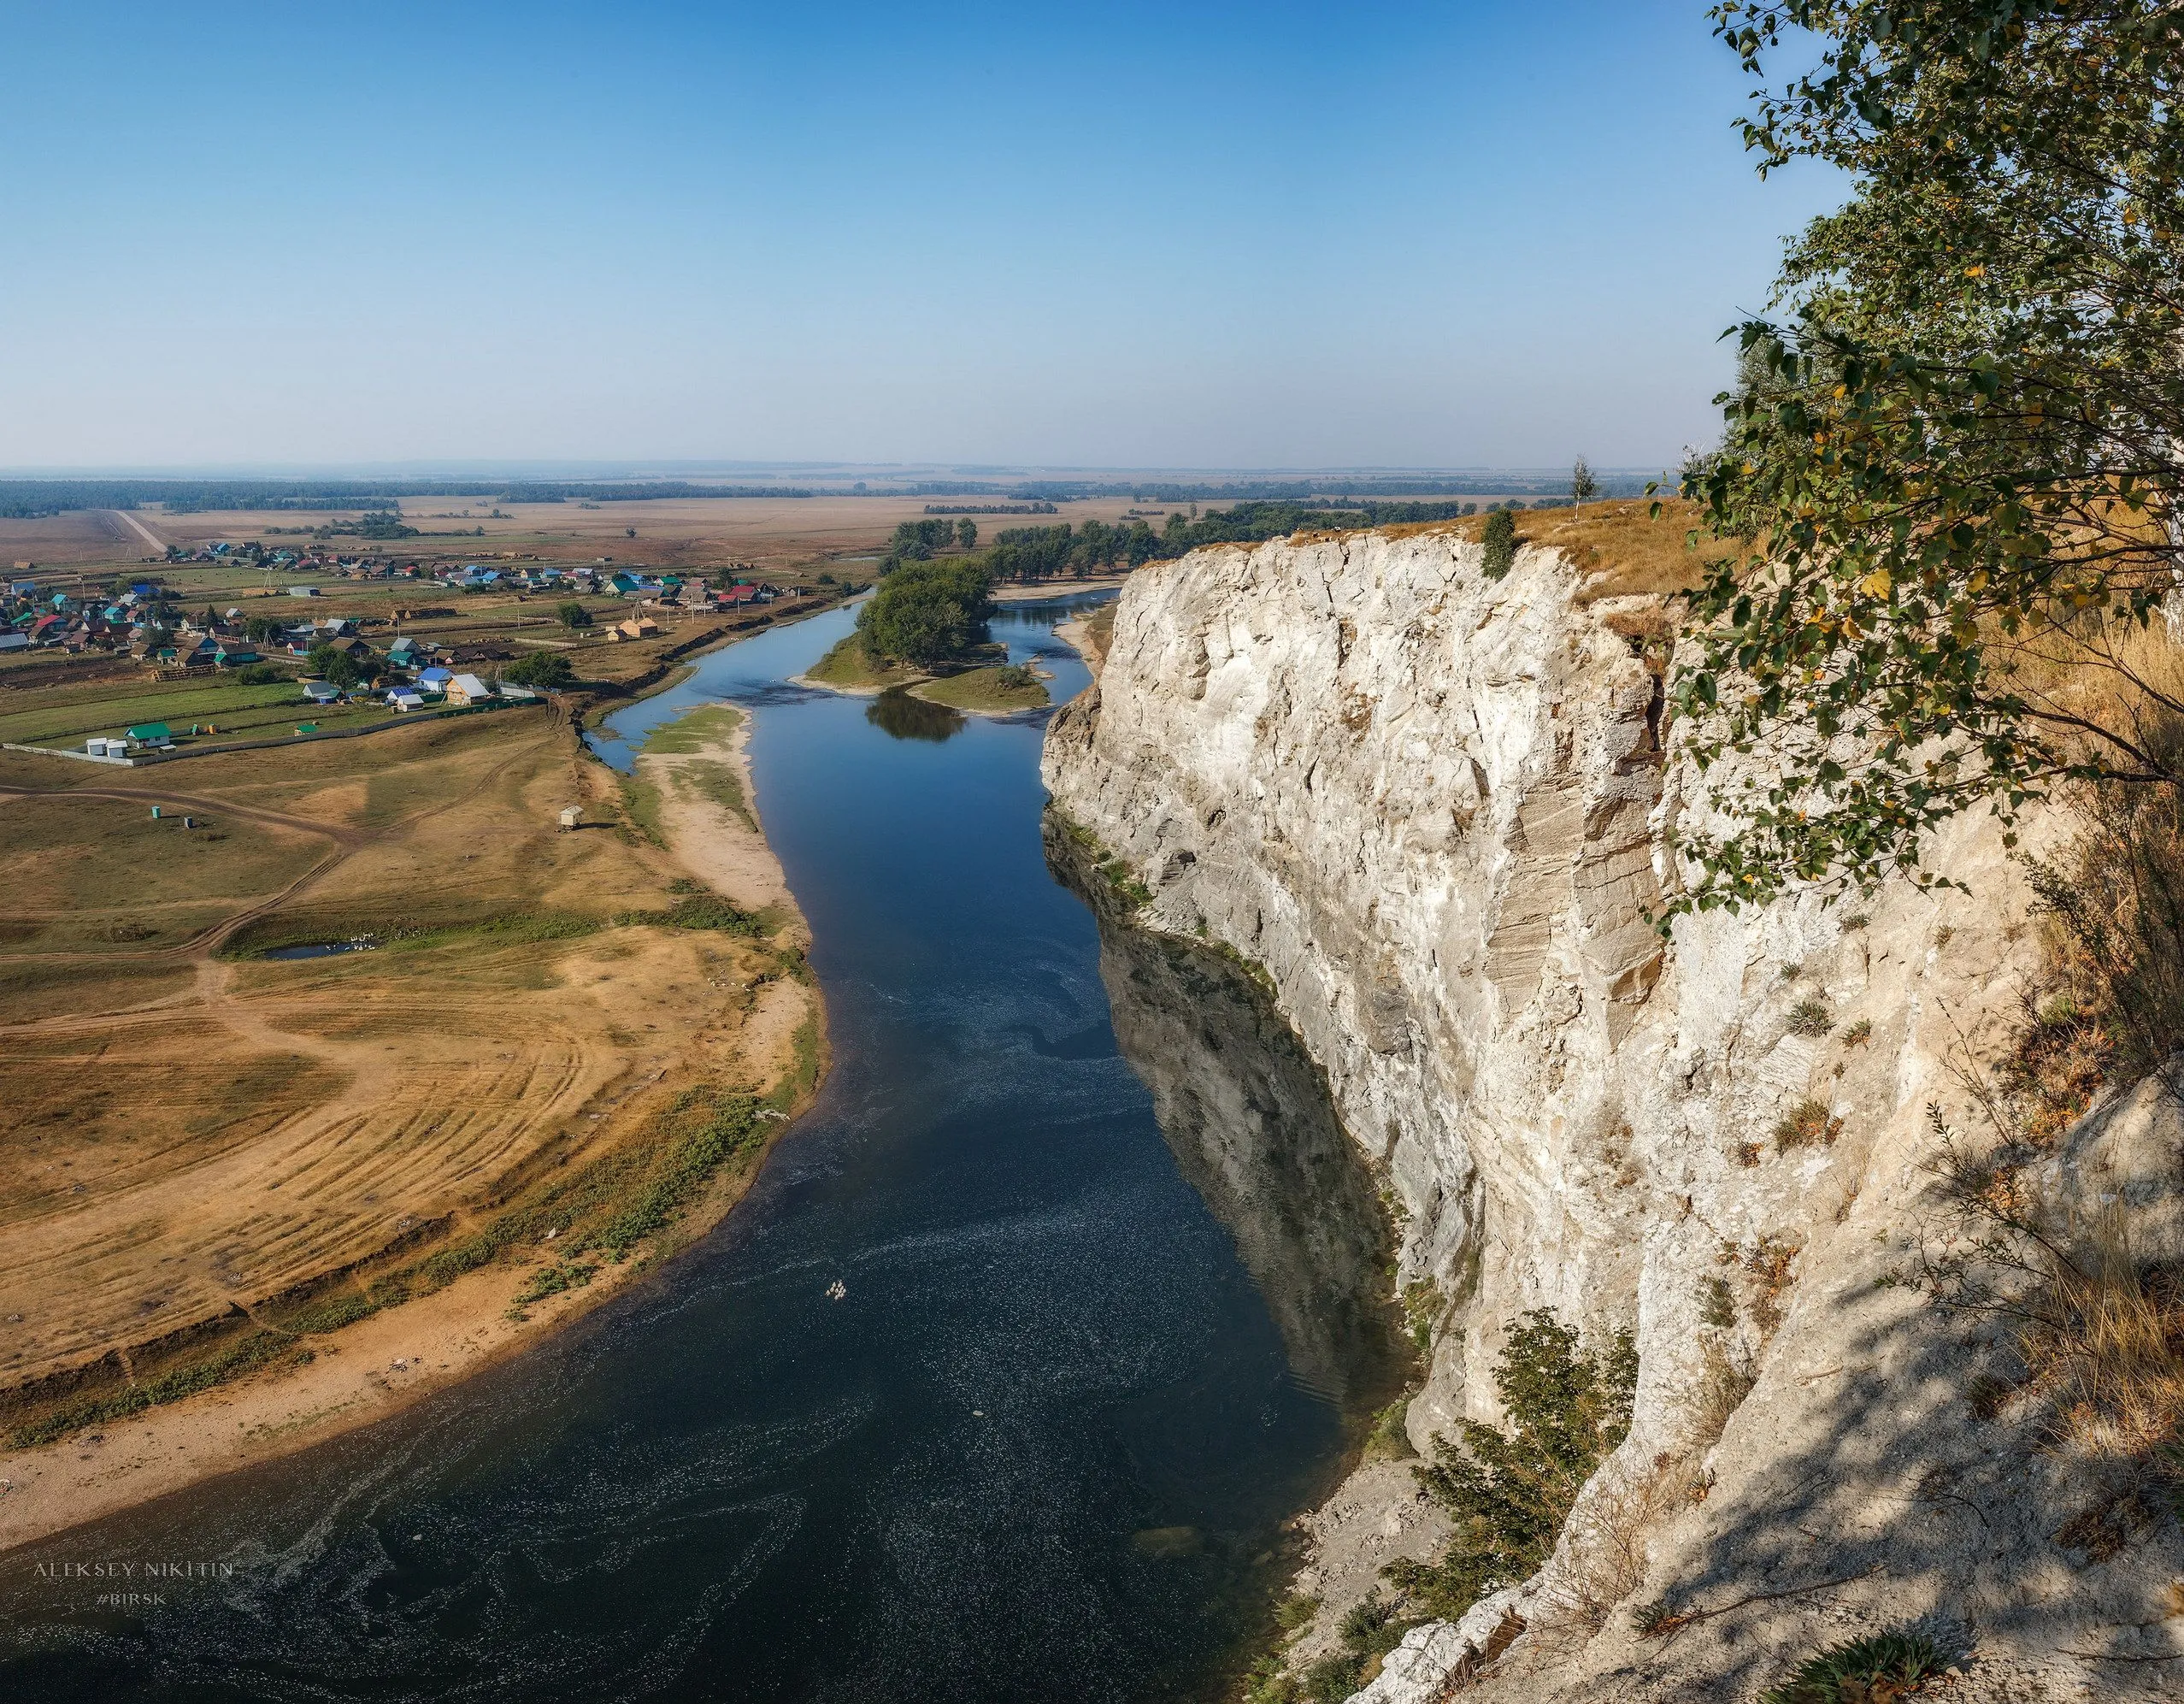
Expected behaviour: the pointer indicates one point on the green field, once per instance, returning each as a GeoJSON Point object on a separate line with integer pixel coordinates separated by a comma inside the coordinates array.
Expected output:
{"type": "Point", "coordinates": [80, 713]}
{"type": "Point", "coordinates": [982, 689]}
{"type": "Point", "coordinates": [701, 727]}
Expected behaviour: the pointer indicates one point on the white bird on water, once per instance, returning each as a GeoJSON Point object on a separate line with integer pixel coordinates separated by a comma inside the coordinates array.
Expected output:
{"type": "Point", "coordinates": [836, 1290]}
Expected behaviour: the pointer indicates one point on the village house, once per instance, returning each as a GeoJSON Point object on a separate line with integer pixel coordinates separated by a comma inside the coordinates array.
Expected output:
{"type": "Point", "coordinates": [466, 689]}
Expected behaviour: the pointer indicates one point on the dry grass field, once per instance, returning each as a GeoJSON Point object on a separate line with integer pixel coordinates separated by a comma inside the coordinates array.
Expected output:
{"type": "Point", "coordinates": [79, 537]}
{"type": "Point", "coordinates": [782, 536]}
{"type": "Point", "coordinates": [210, 1160]}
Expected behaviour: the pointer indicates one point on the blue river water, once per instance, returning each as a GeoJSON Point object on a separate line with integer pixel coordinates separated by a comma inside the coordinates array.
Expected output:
{"type": "Point", "coordinates": [1041, 1447]}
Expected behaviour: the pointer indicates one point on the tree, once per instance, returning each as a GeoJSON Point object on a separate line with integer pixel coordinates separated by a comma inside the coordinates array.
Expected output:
{"type": "Point", "coordinates": [1952, 460]}
{"type": "Point", "coordinates": [546, 668]}
{"type": "Point", "coordinates": [967, 534]}
{"type": "Point", "coordinates": [1583, 487]}
{"type": "Point", "coordinates": [345, 669]}
{"type": "Point", "coordinates": [919, 542]}
{"type": "Point", "coordinates": [262, 629]}
{"type": "Point", "coordinates": [928, 612]}
{"type": "Point", "coordinates": [1508, 1493]}
{"type": "Point", "coordinates": [573, 615]}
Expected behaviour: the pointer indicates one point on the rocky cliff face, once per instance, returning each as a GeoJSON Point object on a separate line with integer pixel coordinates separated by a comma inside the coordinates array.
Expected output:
{"type": "Point", "coordinates": [1437, 810]}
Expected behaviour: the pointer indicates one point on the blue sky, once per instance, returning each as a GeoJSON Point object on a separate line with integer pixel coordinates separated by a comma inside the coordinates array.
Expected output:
{"type": "Point", "coordinates": [1122, 235]}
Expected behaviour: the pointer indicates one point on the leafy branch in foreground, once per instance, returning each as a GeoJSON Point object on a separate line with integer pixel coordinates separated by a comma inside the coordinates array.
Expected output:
{"type": "Point", "coordinates": [1952, 460]}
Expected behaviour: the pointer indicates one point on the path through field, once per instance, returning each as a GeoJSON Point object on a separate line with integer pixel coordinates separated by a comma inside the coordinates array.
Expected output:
{"type": "Point", "coordinates": [141, 530]}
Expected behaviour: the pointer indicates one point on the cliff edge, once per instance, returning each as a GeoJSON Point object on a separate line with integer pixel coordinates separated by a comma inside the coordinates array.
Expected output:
{"type": "Point", "coordinates": [1437, 811]}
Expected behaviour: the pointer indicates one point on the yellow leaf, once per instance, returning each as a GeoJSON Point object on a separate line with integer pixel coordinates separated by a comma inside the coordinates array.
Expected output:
{"type": "Point", "coordinates": [1876, 584]}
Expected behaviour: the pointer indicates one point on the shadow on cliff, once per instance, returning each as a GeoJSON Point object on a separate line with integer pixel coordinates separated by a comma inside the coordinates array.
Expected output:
{"type": "Point", "coordinates": [1892, 1496]}
{"type": "Point", "coordinates": [1249, 1118]}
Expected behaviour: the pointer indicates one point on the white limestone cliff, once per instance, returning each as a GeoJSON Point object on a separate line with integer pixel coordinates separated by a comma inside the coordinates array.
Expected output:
{"type": "Point", "coordinates": [1436, 810]}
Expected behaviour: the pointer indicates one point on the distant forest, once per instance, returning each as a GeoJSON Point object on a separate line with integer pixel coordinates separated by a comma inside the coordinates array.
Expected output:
{"type": "Point", "coordinates": [1338, 492]}
{"type": "Point", "coordinates": [1030, 553]}
{"type": "Point", "coordinates": [21, 499]}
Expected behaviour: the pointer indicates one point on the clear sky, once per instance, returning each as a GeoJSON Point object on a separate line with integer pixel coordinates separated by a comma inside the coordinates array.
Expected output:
{"type": "Point", "coordinates": [1477, 232]}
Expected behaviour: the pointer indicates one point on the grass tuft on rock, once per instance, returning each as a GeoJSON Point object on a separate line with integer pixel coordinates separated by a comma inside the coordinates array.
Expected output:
{"type": "Point", "coordinates": [1869, 1671]}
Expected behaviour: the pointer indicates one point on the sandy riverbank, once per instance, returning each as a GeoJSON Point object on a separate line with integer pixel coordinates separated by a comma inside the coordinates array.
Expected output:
{"type": "Point", "coordinates": [374, 1368]}
{"type": "Point", "coordinates": [1081, 638]}
{"type": "Point", "coordinates": [1041, 591]}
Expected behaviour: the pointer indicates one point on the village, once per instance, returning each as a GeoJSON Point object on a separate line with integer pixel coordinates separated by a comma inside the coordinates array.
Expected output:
{"type": "Point", "coordinates": [146, 665]}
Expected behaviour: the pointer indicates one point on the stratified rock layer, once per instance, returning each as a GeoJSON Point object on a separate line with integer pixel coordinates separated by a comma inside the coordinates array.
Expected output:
{"type": "Point", "coordinates": [1436, 810]}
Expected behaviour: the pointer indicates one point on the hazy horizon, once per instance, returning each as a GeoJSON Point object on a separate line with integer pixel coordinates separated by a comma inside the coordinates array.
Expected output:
{"type": "Point", "coordinates": [609, 468]}
{"type": "Point", "coordinates": [1207, 238]}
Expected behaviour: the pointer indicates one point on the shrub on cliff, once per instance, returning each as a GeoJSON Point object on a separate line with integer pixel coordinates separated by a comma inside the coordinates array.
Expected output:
{"type": "Point", "coordinates": [1501, 540]}
{"type": "Point", "coordinates": [1508, 1493]}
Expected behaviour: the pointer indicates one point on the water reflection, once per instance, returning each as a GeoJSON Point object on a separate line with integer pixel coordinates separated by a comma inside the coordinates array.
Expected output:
{"type": "Point", "coordinates": [1248, 1116]}
{"type": "Point", "coordinates": [906, 717]}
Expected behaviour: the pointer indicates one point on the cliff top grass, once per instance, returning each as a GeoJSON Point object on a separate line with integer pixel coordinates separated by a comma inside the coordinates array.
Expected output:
{"type": "Point", "coordinates": [1622, 550]}
{"type": "Point", "coordinates": [1003, 687]}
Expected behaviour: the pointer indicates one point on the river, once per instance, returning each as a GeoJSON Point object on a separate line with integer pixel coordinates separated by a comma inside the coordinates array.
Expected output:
{"type": "Point", "coordinates": [1043, 1444]}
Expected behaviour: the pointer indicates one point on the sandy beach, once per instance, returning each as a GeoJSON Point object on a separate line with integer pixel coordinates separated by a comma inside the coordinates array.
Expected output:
{"type": "Point", "coordinates": [1015, 592]}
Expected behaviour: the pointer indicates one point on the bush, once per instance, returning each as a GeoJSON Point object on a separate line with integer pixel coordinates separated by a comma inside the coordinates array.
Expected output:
{"type": "Point", "coordinates": [1508, 1493]}
{"type": "Point", "coordinates": [258, 674]}
{"type": "Point", "coordinates": [698, 908]}
{"type": "Point", "coordinates": [548, 669]}
{"type": "Point", "coordinates": [1886, 1665]}
{"type": "Point", "coordinates": [1015, 677]}
{"type": "Point", "coordinates": [1501, 540]}
{"type": "Point", "coordinates": [573, 614]}
{"type": "Point", "coordinates": [1331, 1679]}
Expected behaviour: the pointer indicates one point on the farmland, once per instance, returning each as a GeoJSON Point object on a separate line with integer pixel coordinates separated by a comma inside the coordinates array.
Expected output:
{"type": "Point", "coordinates": [212, 1161]}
